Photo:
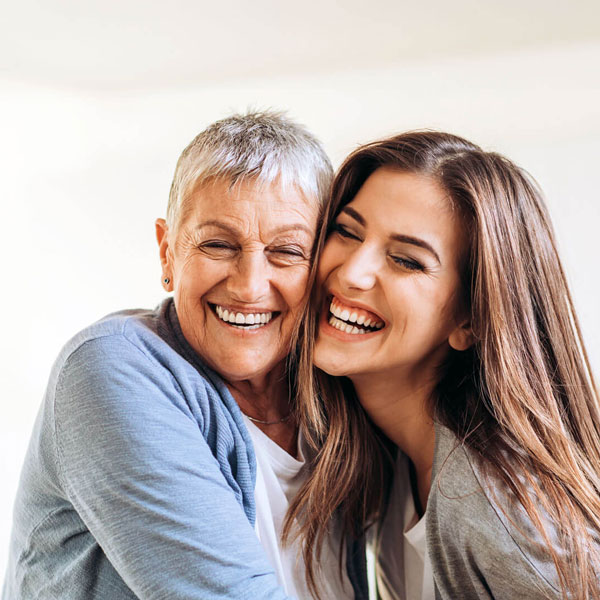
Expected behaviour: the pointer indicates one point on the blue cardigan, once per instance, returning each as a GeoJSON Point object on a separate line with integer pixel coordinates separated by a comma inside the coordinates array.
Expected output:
{"type": "Point", "coordinates": [139, 478]}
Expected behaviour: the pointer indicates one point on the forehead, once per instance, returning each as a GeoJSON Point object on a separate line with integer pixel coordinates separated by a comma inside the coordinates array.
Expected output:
{"type": "Point", "coordinates": [251, 202]}
{"type": "Point", "coordinates": [404, 193]}
{"type": "Point", "coordinates": [392, 187]}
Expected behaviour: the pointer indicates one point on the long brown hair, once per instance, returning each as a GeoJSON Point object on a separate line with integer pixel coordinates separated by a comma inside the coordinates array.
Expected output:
{"type": "Point", "coordinates": [522, 398]}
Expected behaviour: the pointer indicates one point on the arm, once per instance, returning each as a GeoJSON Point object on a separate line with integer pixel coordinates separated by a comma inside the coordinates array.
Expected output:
{"type": "Point", "coordinates": [139, 472]}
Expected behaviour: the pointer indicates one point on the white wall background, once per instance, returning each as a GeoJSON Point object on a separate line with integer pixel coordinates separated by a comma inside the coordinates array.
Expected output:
{"type": "Point", "coordinates": [97, 103]}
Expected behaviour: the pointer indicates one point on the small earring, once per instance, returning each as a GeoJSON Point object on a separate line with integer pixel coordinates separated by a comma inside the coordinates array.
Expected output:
{"type": "Point", "coordinates": [166, 281]}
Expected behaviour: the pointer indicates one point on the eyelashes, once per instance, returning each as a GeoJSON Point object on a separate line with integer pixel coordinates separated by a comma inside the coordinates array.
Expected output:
{"type": "Point", "coordinates": [289, 251]}
{"type": "Point", "coordinates": [217, 248]}
{"type": "Point", "coordinates": [341, 230]}
{"type": "Point", "coordinates": [216, 245]}
{"type": "Point", "coordinates": [411, 265]}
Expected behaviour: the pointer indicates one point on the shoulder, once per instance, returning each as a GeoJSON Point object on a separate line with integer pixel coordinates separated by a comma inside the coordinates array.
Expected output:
{"type": "Point", "coordinates": [135, 339]}
{"type": "Point", "coordinates": [129, 383]}
{"type": "Point", "coordinates": [477, 531]}
{"type": "Point", "coordinates": [133, 328]}
{"type": "Point", "coordinates": [110, 367]}
{"type": "Point", "coordinates": [133, 358]}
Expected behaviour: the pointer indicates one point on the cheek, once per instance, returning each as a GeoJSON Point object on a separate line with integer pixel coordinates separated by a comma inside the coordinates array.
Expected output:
{"type": "Point", "coordinates": [430, 311]}
{"type": "Point", "coordinates": [294, 287]}
{"type": "Point", "coordinates": [183, 269]}
{"type": "Point", "coordinates": [331, 257]}
{"type": "Point", "coordinates": [415, 304]}
{"type": "Point", "coordinates": [197, 273]}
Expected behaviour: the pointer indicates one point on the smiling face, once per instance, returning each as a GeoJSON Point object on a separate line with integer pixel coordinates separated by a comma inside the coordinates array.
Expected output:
{"type": "Point", "coordinates": [238, 264]}
{"type": "Point", "coordinates": [390, 274]}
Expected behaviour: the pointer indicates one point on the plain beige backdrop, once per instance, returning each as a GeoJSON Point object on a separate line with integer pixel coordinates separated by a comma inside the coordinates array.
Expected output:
{"type": "Point", "coordinates": [97, 100]}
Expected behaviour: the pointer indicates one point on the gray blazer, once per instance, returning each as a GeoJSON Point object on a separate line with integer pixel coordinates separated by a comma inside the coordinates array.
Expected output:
{"type": "Point", "coordinates": [476, 551]}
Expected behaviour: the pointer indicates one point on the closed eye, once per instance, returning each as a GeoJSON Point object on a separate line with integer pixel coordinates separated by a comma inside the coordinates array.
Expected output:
{"type": "Point", "coordinates": [216, 244]}
{"type": "Point", "coordinates": [343, 231]}
{"type": "Point", "coordinates": [286, 255]}
{"type": "Point", "coordinates": [407, 263]}
{"type": "Point", "coordinates": [289, 250]}
{"type": "Point", "coordinates": [217, 248]}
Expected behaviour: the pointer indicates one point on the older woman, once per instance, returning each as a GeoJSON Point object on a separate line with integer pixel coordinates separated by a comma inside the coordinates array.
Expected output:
{"type": "Point", "coordinates": [167, 440]}
{"type": "Point", "coordinates": [447, 321]}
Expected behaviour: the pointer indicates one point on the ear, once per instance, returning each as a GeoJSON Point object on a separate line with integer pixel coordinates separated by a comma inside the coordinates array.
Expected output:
{"type": "Point", "coordinates": [462, 337]}
{"type": "Point", "coordinates": [162, 237]}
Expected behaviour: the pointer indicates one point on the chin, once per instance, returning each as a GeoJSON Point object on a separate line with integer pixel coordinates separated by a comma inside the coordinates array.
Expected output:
{"type": "Point", "coordinates": [247, 370]}
{"type": "Point", "coordinates": [241, 374]}
{"type": "Point", "coordinates": [330, 364]}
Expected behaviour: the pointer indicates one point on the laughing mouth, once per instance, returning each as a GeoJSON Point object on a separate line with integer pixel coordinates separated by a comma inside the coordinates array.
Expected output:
{"type": "Point", "coordinates": [241, 320]}
{"type": "Point", "coordinates": [352, 320]}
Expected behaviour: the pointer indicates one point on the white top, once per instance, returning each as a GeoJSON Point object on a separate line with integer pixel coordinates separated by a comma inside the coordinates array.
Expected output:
{"type": "Point", "coordinates": [403, 567]}
{"type": "Point", "coordinates": [279, 476]}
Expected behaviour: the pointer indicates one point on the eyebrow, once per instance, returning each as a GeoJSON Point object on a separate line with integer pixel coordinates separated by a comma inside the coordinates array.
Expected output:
{"type": "Point", "coordinates": [277, 230]}
{"type": "Point", "coordinates": [398, 237]}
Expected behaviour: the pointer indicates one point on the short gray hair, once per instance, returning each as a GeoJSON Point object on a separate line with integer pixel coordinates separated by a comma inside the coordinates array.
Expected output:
{"type": "Point", "coordinates": [263, 146]}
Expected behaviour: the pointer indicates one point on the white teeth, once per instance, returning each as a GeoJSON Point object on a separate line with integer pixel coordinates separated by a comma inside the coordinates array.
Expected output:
{"type": "Point", "coordinates": [344, 314]}
{"type": "Point", "coordinates": [250, 321]}
{"type": "Point", "coordinates": [346, 327]}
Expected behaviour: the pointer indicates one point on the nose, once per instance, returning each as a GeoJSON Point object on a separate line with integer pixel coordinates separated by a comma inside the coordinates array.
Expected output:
{"type": "Point", "coordinates": [249, 281]}
{"type": "Point", "coordinates": [359, 270]}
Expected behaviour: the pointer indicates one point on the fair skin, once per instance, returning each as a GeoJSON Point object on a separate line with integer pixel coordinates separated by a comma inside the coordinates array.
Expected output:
{"type": "Point", "coordinates": [390, 273]}
{"type": "Point", "coordinates": [242, 255]}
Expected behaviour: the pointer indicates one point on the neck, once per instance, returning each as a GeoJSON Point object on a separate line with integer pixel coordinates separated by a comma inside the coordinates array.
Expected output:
{"type": "Point", "coordinates": [267, 399]}
{"type": "Point", "coordinates": [400, 408]}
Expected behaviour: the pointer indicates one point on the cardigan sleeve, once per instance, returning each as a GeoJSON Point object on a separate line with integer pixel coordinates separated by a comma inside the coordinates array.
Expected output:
{"type": "Point", "coordinates": [136, 467]}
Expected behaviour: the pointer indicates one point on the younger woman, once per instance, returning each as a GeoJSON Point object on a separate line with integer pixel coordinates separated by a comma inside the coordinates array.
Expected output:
{"type": "Point", "coordinates": [444, 312]}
